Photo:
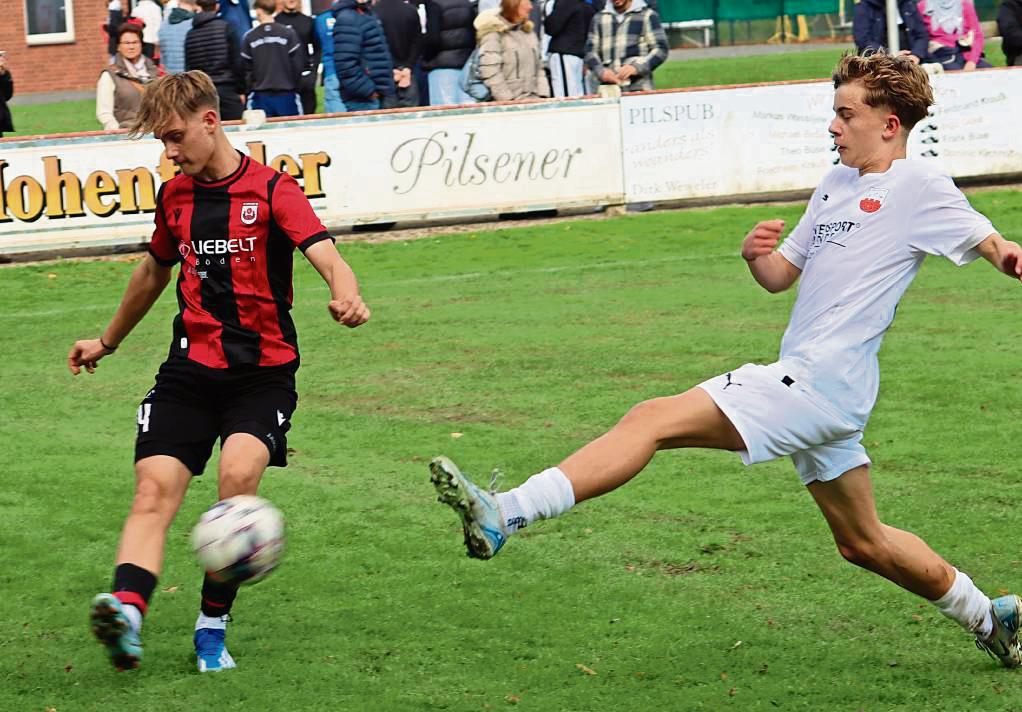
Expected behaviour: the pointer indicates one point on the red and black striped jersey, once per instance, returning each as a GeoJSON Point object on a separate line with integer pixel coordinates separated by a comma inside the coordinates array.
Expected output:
{"type": "Point", "coordinates": [235, 239]}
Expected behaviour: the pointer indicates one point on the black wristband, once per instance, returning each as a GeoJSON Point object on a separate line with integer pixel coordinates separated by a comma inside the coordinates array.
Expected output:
{"type": "Point", "coordinates": [102, 343]}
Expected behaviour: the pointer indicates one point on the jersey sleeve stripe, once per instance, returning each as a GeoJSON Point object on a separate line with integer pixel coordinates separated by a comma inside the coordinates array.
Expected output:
{"type": "Point", "coordinates": [163, 262]}
{"type": "Point", "coordinates": [318, 237]}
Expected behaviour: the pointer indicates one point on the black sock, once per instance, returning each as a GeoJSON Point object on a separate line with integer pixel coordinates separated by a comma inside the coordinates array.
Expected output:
{"type": "Point", "coordinates": [133, 586]}
{"type": "Point", "coordinates": [217, 598]}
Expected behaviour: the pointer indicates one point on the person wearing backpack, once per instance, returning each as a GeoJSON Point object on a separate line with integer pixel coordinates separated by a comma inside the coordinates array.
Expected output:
{"type": "Point", "coordinates": [509, 61]}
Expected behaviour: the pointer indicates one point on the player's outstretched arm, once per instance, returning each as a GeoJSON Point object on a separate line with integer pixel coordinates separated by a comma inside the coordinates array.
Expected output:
{"type": "Point", "coordinates": [773, 272]}
{"type": "Point", "coordinates": [147, 282]}
{"type": "Point", "coordinates": [346, 305]}
{"type": "Point", "coordinates": [1003, 254]}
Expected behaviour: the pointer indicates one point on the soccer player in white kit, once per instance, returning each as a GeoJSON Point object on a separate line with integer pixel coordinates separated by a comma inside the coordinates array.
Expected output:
{"type": "Point", "coordinates": [861, 241]}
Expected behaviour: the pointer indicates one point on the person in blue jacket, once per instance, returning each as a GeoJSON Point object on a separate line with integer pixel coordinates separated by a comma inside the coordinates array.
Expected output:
{"type": "Point", "coordinates": [365, 70]}
{"type": "Point", "coordinates": [870, 28]}
{"type": "Point", "coordinates": [237, 15]}
{"type": "Point", "coordinates": [325, 21]}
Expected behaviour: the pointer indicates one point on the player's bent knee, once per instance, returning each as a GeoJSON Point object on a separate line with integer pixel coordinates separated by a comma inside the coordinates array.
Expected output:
{"type": "Point", "coordinates": [238, 479]}
{"type": "Point", "coordinates": [149, 497]}
{"type": "Point", "coordinates": [657, 416]}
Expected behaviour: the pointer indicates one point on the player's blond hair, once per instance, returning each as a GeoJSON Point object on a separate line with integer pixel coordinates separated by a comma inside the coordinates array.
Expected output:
{"type": "Point", "coordinates": [173, 96]}
{"type": "Point", "coordinates": [894, 82]}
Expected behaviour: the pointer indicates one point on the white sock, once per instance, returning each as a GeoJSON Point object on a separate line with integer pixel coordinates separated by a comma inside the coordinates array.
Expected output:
{"type": "Point", "coordinates": [133, 615]}
{"type": "Point", "coordinates": [967, 605]}
{"type": "Point", "coordinates": [215, 622]}
{"type": "Point", "coordinates": [542, 496]}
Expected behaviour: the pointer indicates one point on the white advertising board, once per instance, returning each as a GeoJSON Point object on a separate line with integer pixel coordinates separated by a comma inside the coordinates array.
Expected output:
{"type": "Point", "coordinates": [101, 189]}
{"type": "Point", "coordinates": [761, 139]}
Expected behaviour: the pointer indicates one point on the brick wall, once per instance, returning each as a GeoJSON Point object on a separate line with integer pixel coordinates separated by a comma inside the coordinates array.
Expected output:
{"type": "Point", "coordinates": [71, 66]}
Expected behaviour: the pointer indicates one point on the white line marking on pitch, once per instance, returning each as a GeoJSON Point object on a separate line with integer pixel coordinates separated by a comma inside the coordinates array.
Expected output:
{"type": "Point", "coordinates": [464, 276]}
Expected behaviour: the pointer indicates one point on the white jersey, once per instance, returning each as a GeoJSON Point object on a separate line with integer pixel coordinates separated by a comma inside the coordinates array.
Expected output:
{"type": "Point", "coordinates": [859, 245]}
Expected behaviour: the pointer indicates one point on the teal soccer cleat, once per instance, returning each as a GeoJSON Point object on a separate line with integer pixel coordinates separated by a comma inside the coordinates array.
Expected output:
{"type": "Point", "coordinates": [112, 628]}
{"type": "Point", "coordinates": [211, 650]}
{"type": "Point", "coordinates": [1003, 642]}
{"type": "Point", "coordinates": [480, 516]}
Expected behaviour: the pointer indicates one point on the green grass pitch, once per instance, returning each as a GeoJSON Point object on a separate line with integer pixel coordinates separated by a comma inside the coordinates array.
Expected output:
{"type": "Point", "coordinates": [700, 585]}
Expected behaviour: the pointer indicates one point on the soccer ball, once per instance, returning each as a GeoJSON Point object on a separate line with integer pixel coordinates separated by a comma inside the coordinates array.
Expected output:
{"type": "Point", "coordinates": [239, 539]}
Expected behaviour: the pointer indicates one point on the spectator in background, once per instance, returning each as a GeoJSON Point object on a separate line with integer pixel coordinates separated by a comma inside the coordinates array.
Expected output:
{"type": "Point", "coordinates": [626, 44]}
{"type": "Point", "coordinates": [870, 28]}
{"type": "Point", "coordinates": [172, 36]}
{"type": "Point", "coordinates": [120, 86]}
{"type": "Point", "coordinates": [956, 39]}
{"type": "Point", "coordinates": [419, 74]}
{"type": "Point", "coordinates": [509, 61]}
{"type": "Point", "coordinates": [1009, 24]}
{"type": "Point", "coordinates": [273, 58]}
{"type": "Point", "coordinates": [450, 39]}
{"type": "Point", "coordinates": [114, 18]}
{"type": "Point", "coordinates": [365, 70]}
{"type": "Point", "coordinates": [6, 92]}
{"type": "Point", "coordinates": [568, 26]}
{"type": "Point", "coordinates": [401, 27]}
{"type": "Point", "coordinates": [325, 22]}
{"type": "Point", "coordinates": [238, 16]}
{"type": "Point", "coordinates": [150, 13]}
{"type": "Point", "coordinates": [212, 47]}
{"type": "Point", "coordinates": [305, 28]}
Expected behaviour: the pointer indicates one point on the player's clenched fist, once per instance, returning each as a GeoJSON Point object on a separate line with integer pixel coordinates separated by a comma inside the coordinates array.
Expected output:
{"type": "Point", "coordinates": [350, 311]}
{"type": "Point", "coordinates": [762, 240]}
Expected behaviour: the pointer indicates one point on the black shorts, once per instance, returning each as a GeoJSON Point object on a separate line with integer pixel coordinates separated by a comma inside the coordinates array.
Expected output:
{"type": "Point", "coordinates": [192, 405]}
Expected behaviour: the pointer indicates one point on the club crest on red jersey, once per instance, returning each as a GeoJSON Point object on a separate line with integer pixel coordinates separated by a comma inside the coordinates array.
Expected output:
{"type": "Point", "coordinates": [874, 200]}
{"type": "Point", "coordinates": [249, 213]}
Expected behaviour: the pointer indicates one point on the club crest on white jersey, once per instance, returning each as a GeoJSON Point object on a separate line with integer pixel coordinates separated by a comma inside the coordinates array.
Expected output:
{"type": "Point", "coordinates": [874, 200]}
{"type": "Point", "coordinates": [249, 213]}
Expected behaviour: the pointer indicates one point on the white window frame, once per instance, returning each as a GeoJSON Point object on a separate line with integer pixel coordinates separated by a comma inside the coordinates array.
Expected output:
{"type": "Point", "coordinates": [53, 37]}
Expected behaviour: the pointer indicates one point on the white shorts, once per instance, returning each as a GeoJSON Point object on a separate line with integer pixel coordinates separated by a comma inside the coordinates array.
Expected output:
{"type": "Point", "coordinates": [778, 416]}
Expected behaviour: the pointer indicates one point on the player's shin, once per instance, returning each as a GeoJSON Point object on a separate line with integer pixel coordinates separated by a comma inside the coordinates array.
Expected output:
{"type": "Point", "coordinates": [217, 598]}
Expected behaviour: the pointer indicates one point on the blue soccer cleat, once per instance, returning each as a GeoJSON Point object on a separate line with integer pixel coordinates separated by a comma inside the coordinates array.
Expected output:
{"type": "Point", "coordinates": [1003, 641]}
{"type": "Point", "coordinates": [113, 629]}
{"type": "Point", "coordinates": [211, 650]}
{"type": "Point", "coordinates": [480, 516]}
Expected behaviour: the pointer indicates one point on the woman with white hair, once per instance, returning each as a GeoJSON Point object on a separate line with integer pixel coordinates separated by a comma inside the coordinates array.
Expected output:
{"type": "Point", "coordinates": [956, 38]}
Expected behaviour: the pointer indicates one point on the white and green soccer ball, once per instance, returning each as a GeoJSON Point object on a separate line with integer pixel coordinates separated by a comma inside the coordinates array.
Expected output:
{"type": "Point", "coordinates": [239, 539]}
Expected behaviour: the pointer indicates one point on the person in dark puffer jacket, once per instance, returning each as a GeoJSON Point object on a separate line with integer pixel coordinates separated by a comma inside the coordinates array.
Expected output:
{"type": "Point", "coordinates": [1009, 24]}
{"type": "Point", "coordinates": [365, 70]}
{"type": "Point", "coordinates": [212, 46]}
{"type": "Point", "coordinates": [450, 39]}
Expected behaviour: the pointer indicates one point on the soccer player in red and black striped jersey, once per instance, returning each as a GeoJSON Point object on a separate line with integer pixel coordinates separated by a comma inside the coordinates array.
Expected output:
{"type": "Point", "coordinates": [232, 225]}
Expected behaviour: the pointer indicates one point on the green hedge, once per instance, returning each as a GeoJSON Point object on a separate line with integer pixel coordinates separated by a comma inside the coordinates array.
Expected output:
{"type": "Point", "coordinates": [718, 10]}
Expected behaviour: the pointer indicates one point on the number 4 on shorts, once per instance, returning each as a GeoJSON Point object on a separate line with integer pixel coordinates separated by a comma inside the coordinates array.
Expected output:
{"type": "Point", "coordinates": [144, 411]}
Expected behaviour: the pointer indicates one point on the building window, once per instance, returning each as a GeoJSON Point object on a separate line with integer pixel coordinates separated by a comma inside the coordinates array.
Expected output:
{"type": "Point", "coordinates": [49, 21]}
